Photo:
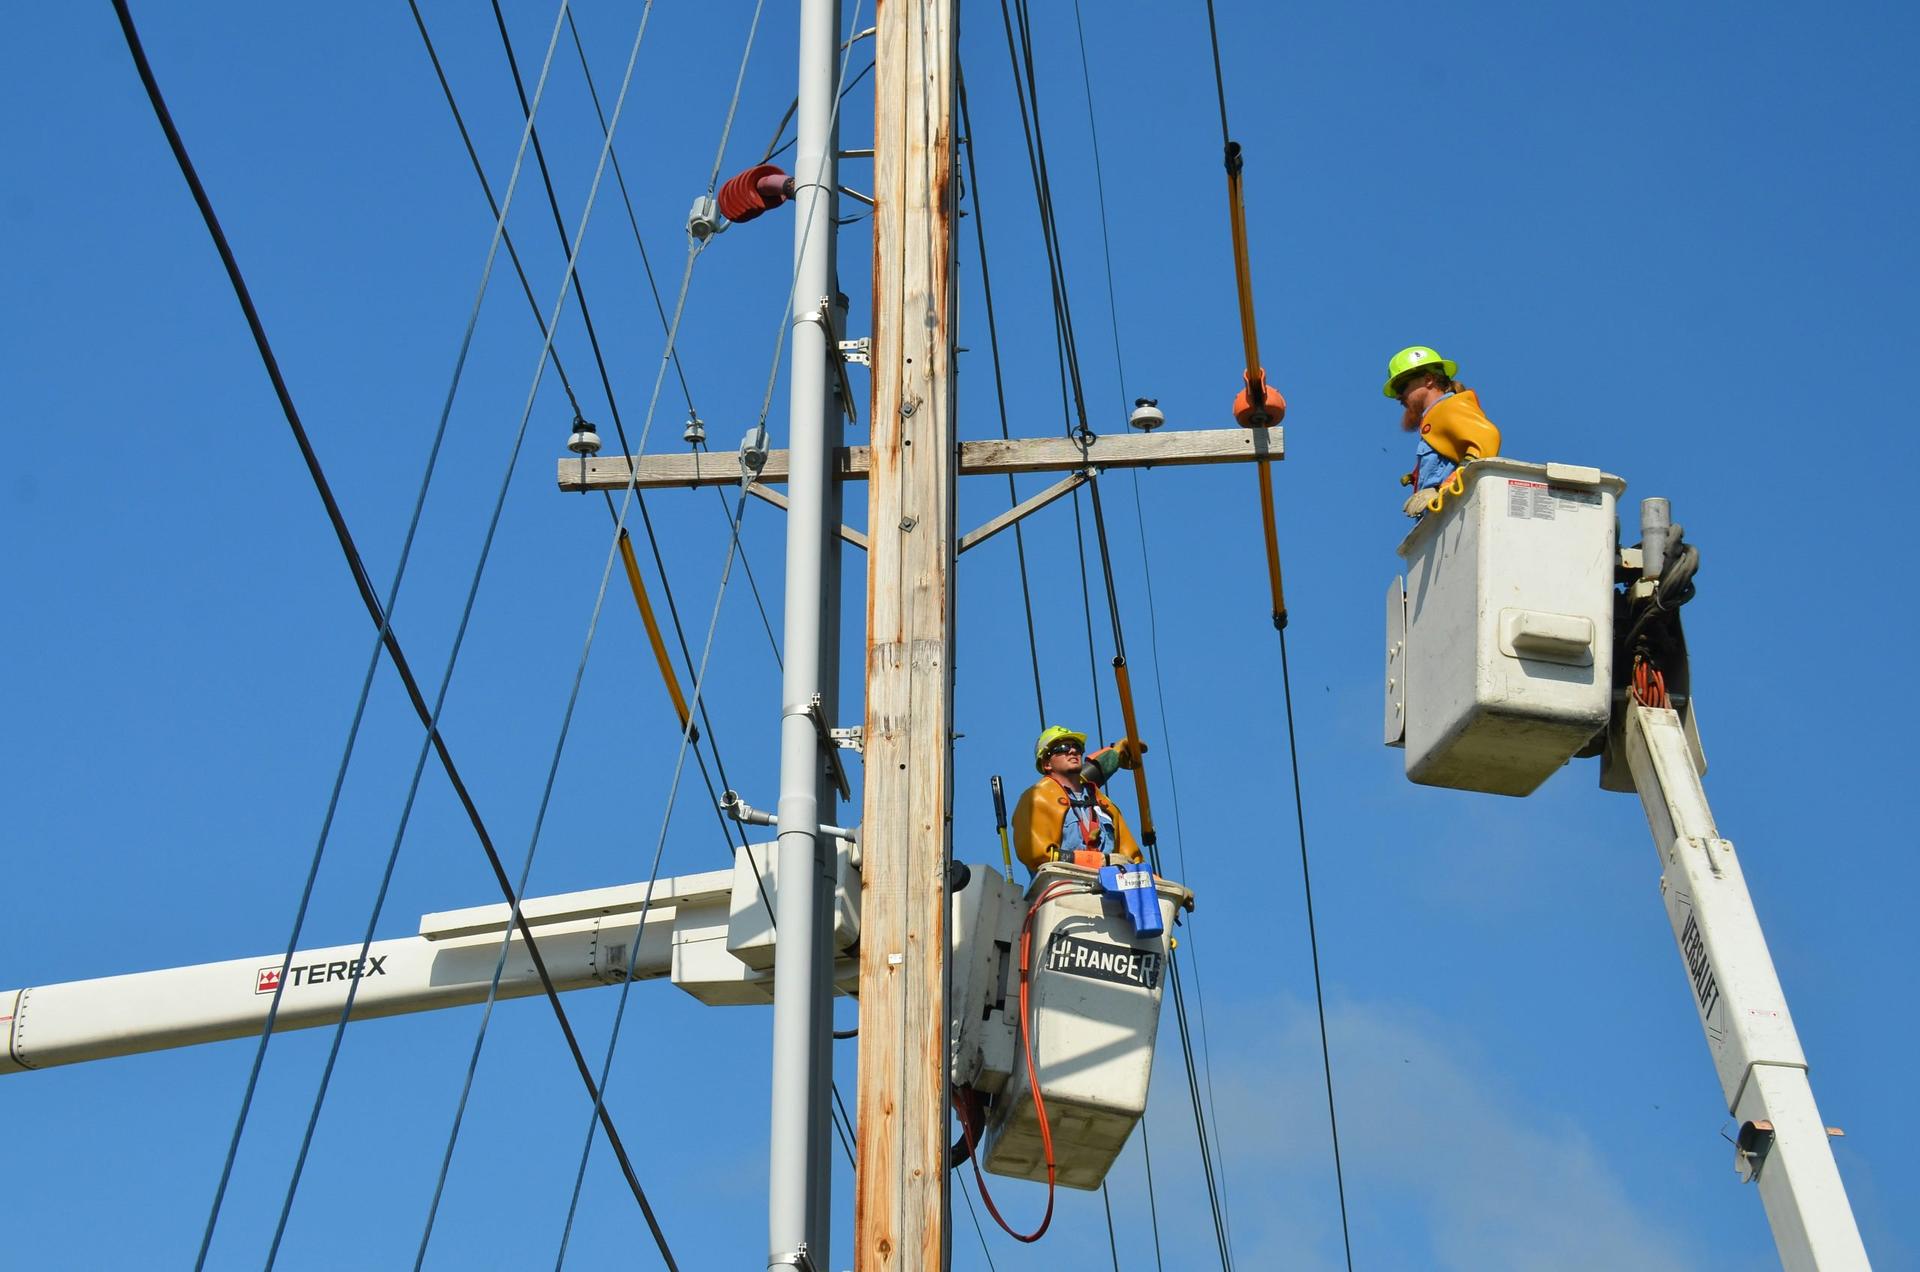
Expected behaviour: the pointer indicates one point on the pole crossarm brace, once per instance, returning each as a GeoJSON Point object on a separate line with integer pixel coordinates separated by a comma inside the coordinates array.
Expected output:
{"type": "Point", "coordinates": [779, 501]}
{"type": "Point", "coordinates": [1032, 504]}
{"type": "Point", "coordinates": [977, 459]}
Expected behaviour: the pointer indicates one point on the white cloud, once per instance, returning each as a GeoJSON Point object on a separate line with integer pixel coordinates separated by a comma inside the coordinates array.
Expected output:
{"type": "Point", "coordinates": [1444, 1167]}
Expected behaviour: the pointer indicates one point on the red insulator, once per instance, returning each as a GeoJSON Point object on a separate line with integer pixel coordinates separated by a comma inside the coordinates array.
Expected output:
{"type": "Point", "coordinates": [754, 191]}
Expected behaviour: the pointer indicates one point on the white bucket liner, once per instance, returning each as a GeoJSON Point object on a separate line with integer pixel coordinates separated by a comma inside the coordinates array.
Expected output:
{"type": "Point", "coordinates": [1500, 638]}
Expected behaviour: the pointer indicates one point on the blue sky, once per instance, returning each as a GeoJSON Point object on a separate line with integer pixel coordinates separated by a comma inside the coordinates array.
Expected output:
{"type": "Point", "coordinates": [1662, 240]}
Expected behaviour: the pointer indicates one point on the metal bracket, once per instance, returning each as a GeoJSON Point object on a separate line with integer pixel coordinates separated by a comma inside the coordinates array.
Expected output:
{"type": "Point", "coordinates": [1751, 1149]}
{"type": "Point", "coordinates": [851, 739]}
{"type": "Point", "coordinates": [799, 1258]}
{"type": "Point", "coordinates": [753, 453]}
{"type": "Point", "coordinates": [860, 351]}
{"type": "Point", "coordinates": [828, 749]}
{"type": "Point", "coordinates": [824, 316]}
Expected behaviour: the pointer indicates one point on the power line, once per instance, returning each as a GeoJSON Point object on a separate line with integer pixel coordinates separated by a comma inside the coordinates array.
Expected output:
{"type": "Point", "coordinates": [1023, 62]}
{"type": "Point", "coordinates": [1286, 678]}
{"type": "Point", "coordinates": [1153, 626]}
{"type": "Point", "coordinates": [673, 357]}
{"type": "Point", "coordinates": [1000, 395]}
{"type": "Point", "coordinates": [381, 614]}
{"type": "Point", "coordinates": [713, 623]}
{"type": "Point", "coordinates": [967, 1195]}
{"type": "Point", "coordinates": [453, 655]}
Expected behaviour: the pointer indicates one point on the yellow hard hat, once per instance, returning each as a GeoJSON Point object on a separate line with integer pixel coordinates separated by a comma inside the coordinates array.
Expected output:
{"type": "Point", "coordinates": [1053, 736]}
{"type": "Point", "coordinates": [1412, 358]}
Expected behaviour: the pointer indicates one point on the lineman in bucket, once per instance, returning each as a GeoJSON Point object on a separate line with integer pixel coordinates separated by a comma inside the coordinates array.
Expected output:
{"type": "Point", "coordinates": [1064, 812]}
{"type": "Point", "coordinates": [1452, 428]}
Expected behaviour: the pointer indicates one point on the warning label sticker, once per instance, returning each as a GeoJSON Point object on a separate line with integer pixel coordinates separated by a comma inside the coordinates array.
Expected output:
{"type": "Point", "coordinates": [1536, 501]}
{"type": "Point", "coordinates": [1529, 500]}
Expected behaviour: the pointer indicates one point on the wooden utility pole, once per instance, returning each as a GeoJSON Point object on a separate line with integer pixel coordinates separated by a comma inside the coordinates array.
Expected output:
{"type": "Point", "coordinates": [901, 1210]}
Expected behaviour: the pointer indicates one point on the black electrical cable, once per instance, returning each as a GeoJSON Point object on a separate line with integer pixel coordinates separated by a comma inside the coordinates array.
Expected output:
{"type": "Point", "coordinates": [356, 565]}
{"type": "Point", "coordinates": [1070, 375]}
{"type": "Point", "coordinates": [1153, 630]}
{"type": "Point", "coordinates": [1066, 347]}
{"type": "Point", "coordinates": [967, 1196]}
{"type": "Point", "coordinates": [646, 520]}
{"type": "Point", "coordinates": [1000, 395]}
{"type": "Point", "coordinates": [486, 188]}
{"type": "Point", "coordinates": [1113, 1244]}
{"type": "Point", "coordinates": [1153, 1204]}
{"type": "Point", "coordinates": [776, 147]}
{"type": "Point", "coordinates": [653, 286]}
{"type": "Point", "coordinates": [706, 776]}
{"type": "Point", "coordinates": [1293, 755]}
{"type": "Point", "coordinates": [1219, 77]}
{"type": "Point", "coordinates": [1027, 92]}
{"type": "Point", "coordinates": [1313, 945]}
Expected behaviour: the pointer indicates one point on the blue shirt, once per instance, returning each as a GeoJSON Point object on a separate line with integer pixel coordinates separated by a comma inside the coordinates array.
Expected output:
{"type": "Point", "coordinates": [1082, 804]}
{"type": "Point", "coordinates": [1430, 468]}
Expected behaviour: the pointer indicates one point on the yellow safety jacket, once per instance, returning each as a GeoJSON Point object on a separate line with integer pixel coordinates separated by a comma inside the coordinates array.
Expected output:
{"type": "Point", "coordinates": [1041, 815]}
{"type": "Point", "coordinates": [1458, 430]}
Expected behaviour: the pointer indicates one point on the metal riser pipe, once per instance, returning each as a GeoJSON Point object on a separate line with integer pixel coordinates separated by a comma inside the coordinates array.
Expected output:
{"type": "Point", "coordinates": [799, 1173]}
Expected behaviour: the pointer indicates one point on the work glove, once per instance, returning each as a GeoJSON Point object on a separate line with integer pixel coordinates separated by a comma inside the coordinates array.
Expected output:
{"type": "Point", "coordinates": [1416, 505]}
{"type": "Point", "coordinates": [1100, 767]}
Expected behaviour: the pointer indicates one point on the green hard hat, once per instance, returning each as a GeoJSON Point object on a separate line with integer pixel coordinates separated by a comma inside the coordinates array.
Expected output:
{"type": "Point", "coordinates": [1412, 358]}
{"type": "Point", "coordinates": [1055, 734]}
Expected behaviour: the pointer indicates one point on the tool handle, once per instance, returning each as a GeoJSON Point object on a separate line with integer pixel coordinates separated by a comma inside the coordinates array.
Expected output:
{"type": "Point", "coordinates": [999, 803]}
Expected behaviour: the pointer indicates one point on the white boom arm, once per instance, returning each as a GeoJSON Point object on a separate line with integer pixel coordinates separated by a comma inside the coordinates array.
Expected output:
{"type": "Point", "coordinates": [711, 932]}
{"type": "Point", "coordinates": [1782, 1142]}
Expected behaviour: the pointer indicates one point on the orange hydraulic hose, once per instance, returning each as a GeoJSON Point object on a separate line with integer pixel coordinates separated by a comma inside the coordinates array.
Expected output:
{"type": "Point", "coordinates": [654, 637]}
{"type": "Point", "coordinates": [1125, 684]}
